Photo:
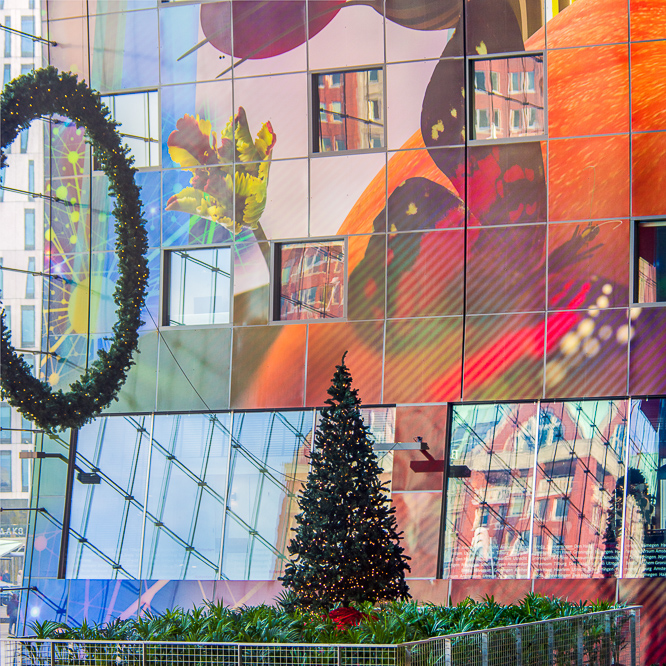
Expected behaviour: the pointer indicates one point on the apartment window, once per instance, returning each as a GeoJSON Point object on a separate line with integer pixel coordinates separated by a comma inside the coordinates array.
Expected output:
{"type": "Point", "coordinates": [137, 114]}
{"type": "Point", "coordinates": [484, 517]}
{"type": "Point", "coordinates": [30, 279]}
{"type": "Point", "coordinates": [541, 509]}
{"type": "Point", "coordinates": [27, 326]}
{"type": "Point", "coordinates": [27, 67]}
{"type": "Point", "coordinates": [24, 141]}
{"type": "Point", "coordinates": [527, 98]}
{"type": "Point", "coordinates": [650, 262]}
{"type": "Point", "coordinates": [560, 510]}
{"type": "Point", "coordinates": [31, 179]}
{"type": "Point", "coordinates": [7, 75]}
{"type": "Point", "coordinates": [517, 505]}
{"type": "Point", "coordinates": [348, 110]}
{"type": "Point", "coordinates": [5, 471]}
{"type": "Point", "coordinates": [309, 280]}
{"type": "Point", "coordinates": [8, 317]}
{"type": "Point", "coordinates": [8, 39]}
{"type": "Point", "coordinates": [27, 44]}
{"type": "Point", "coordinates": [26, 430]}
{"type": "Point", "coordinates": [25, 475]}
{"type": "Point", "coordinates": [198, 287]}
{"type": "Point", "coordinates": [515, 119]}
{"type": "Point", "coordinates": [5, 422]}
{"type": "Point", "coordinates": [29, 228]}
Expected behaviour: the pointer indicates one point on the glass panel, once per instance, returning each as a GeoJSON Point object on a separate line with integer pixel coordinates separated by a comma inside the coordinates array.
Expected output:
{"type": "Point", "coordinates": [27, 44]}
{"type": "Point", "coordinates": [27, 326]}
{"type": "Point", "coordinates": [186, 497]}
{"type": "Point", "coordinates": [26, 471]}
{"type": "Point", "coordinates": [8, 39]}
{"type": "Point", "coordinates": [106, 522]}
{"type": "Point", "coordinates": [312, 279]}
{"type": "Point", "coordinates": [137, 114]}
{"type": "Point", "coordinates": [578, 497]}
{"type": "Point", "coordinates": [349, 107]}
{"type": "Point", "coordinates": [645, 522]}
{"type": "Point", "coordinates": [199, 286]}
{"type": "Point", "coordinates": [5, 422]}
{"type": "Point", "coordinates": [651, 266]}
{"type": "Point", "coordinates": [5, 471]}
{"type": "Point", "coordinates": [489, 491]}
{"type": "Point", "coordinates": [30, 279]}
{"type": "Point", "coordinates": [29, 226]}
{"type": "Point", "coordinates": [268, 464]}
{"type": "Point", "coordinates": [508, 99]}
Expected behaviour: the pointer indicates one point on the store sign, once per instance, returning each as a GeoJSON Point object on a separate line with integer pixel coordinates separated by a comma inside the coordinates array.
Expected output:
{"type": "Point", "coordinates": [12, 531]}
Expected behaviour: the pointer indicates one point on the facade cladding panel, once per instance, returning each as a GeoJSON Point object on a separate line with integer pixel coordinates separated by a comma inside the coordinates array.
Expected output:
{"type": "Point", "coordinates": [471, 206]}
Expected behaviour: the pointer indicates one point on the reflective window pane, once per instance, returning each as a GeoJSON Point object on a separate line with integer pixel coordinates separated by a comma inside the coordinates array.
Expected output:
{"type": "Point", "coordinates": [268, 464]}
{"type": "Point", "coordinates": [578, 504]}
{"type": "Point", "coordinates": [651, 262]}
{"type": "Point", "coordinates": [186, 496]}
{"type": "Point", "coordinates": [508, 97]}
{"type": "Point", "coordinates": [199, 284]}
{"type": "Point", "coordinates": [6, 471]}
{"type": "Point", "coordinates": [348, 110]}
{"type": "Point", "coordinates": [139, 124]}
{"type": "Point", "coordinates": [311, 280]}
{"type": "Point", "coordinates": [489, 492]}
{"type": "Point", "coordinates": [645, 522]}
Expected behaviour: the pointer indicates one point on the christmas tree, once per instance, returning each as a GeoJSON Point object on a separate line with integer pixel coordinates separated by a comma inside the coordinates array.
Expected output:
{"type": "Point", "coordinates": [346, 548]}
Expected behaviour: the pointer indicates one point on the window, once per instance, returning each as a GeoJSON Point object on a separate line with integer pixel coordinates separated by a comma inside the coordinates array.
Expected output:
{"type": "Point", "coordinates": [561, 506]}
{"type": "Point", "coordinates": [26, 430]}
{"type": "Point", "coordinates": [484, 517]}
{"type": "Point", "coordinates": [31, 179]}
{"type": "Point", "coordinates": [8, 39]}
{"type": "Point", "coordinates": [24, 140]}
{"type": "Point", "coordinates": [8, 317]}
{"type": "Point", "coordinates": [27, 44]}
{"type": "Point", "coordinates": [5, 422]}
{"type": "Point", "coordinates": [345, 115]}
{"type": "Point", "coordinates": [514, 82]}
{"type": "Point", "coordinates": [26, 67]}
{"type": "Point", "coordinates": [25, 475]}
{"type": "Point", "coordinates": [137, 115]}
{"type": "Point", "coordinates": [27, 326]}
{"type": "Point", "coordinates": [650, 269]}
{"type": "Point", "coordinates": [515, 119]}
{"type": "Point", "coordinates": [29, 227]}
{"type": "Point", "coordinates": [541, 509]}
{"type": "Point", "coordinates": [529, 81]}
{"type": "Point", "coordinates": [517, 505]}
{"type": "Point", "coordinates": [7, 75]}
{"type": "Point", "coordinates": [527, 98]}
{"type": "Point", "coordinates": [309, 280]}
{"type": "Point", "coordinates": [5, 471]}
{"type": "Point", "coordinates": [198, 288]}
{"type": "Point", "coordinates": [30, 279]}
{"type": "Point", "coordinates": [482, 121]}
{"type": "Point", "coordinates": [2, 273]}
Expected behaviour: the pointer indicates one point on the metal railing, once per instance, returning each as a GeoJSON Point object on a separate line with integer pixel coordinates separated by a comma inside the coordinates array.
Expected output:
{"type": "Point", "coordinates": [604, 638]}
{"type": "Point", "coordinates": [607, 638]}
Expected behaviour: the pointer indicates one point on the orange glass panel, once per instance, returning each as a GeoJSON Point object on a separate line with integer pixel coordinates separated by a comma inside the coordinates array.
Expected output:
{"type": "Point", "coordinates": [260, 378]}
{"type": "Point", "coordinates": [647, 351]}
{"type": "Point", "coordinates": [587, 352]}
{"type": "Point", "coordinates": [587, 261]}
{"type": "Point", "coordinates": [425, 273]}
{"type": "Point", "coordinates": [506, 269]}
{"type": "Point", "coordinates": [422, 361]}
{"type": "Point", "coordinates": [588, 91]}
{"type": "Point", "coordinates": [504, 357]}
{"type": "Point", "coordinates": [649, 173]}
{"type": "Point", "coordinates": [327, 342]}
{"type": "Point", "coordinates": [648, 86]}
{"type": "Point", "coordinates": [589, 178]}
{"type": "Point", "coordinates": [418, 516]}
{"type": "Point", "coordinates": [648, 20]}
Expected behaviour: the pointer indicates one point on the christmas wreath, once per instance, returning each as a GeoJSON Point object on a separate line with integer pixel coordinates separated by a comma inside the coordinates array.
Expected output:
{"type": "Point", "coordinates": [26, 98]}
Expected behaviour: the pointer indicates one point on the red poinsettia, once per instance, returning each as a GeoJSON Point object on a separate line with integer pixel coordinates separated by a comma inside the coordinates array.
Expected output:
{"type": "Point", "coordinates": [345, 617]}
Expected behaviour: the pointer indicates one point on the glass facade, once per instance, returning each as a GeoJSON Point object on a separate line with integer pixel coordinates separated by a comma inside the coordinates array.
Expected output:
{"type": "Point", "coordinates": [475, 220]}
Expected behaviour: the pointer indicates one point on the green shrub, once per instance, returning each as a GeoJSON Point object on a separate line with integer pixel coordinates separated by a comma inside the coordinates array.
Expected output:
{"type": "Point", "coordinates": [394, 622]}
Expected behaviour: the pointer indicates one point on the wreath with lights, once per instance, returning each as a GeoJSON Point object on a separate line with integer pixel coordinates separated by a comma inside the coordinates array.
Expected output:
{"type": "Point", "coordinates": [41, 93]}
